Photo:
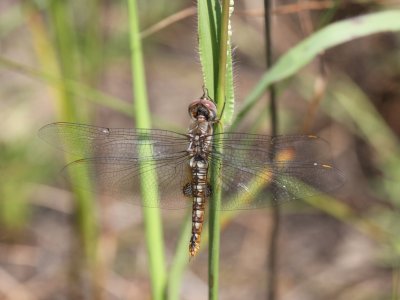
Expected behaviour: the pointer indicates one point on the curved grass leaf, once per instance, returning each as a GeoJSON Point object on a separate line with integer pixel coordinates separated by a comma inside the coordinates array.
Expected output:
{"type": "Point", "coordinates": [328, 37]}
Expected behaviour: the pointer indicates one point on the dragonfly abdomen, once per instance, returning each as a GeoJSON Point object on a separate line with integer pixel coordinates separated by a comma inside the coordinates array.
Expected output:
{"type": "Point", "coordinates": [200, 190]}
{"type": "Point", "coordinates": [197, 225]}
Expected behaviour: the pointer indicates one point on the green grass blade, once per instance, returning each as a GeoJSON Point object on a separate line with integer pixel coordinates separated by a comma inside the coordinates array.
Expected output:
{"type": "Point", "coordinates": [328, 37]}
{"type": "Point", "coordinates": [207, 42]}
{"type": "Point", "coordinates": [229, 91]}
{"type": "Point", "coordinates": [180, 260]}
{"type": "Point", "coordinates": [58, 84]}
{"type": "Point", "coordinates": [152, 216]}
{"type": "Point", "coordinates": [67, 111]}
{"type": "Point", "coordinates": [91, 44]}
{"type": "Point", "coordinates": [209, 20]}
{"type": "Point", "coordinates": [216, 64]}
{"type": "Point", "coordinates": [353, 107]}
{"type": "Point", "coordinates": [66, 43]}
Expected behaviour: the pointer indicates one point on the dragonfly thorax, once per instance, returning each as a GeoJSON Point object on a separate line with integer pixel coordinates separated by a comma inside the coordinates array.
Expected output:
{"type": "Point", "coordinates": [198, 161]}
{"type": "Point", "coordinates": [200, 130]}
{"type": "Point", "coordinates": [200, 136]}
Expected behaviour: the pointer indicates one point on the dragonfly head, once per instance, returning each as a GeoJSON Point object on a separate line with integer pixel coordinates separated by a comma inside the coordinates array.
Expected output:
{"type": "Point", "coordinates": [203, 109]}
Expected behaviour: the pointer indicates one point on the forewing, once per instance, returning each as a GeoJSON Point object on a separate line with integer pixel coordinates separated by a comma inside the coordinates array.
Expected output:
{"type": "Point", "coordinates": [90, 141]}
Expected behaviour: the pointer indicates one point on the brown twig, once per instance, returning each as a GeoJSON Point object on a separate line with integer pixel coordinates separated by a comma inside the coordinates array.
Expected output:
{"type": "Point", "coordinates": [305, 19]}
{"type": "Point", "coordinates": [318, 94]}
{"type": "Point", "coordinates": [320, 81]}
{"type": "Point", "coordinates": [284, 9]}
{"type": "Point", "coordinates": [180, 15]}
{"type": "Point", "coordinates": [275, 226]}
{"type": "Point", "coordinates": [280, 10]}
{"type": "Point", "coordinates": [290, 8]}
{"type": "Point", "coordinates": [309, 5]}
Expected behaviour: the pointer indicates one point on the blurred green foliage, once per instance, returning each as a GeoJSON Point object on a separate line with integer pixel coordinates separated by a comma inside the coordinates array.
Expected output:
{"type": "Point", "coordinates": [68, 51]}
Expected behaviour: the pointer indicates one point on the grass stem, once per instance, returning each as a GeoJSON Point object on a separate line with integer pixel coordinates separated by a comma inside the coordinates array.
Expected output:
{"type": "Point", "coordinates": [215, 203]}
{"type": "Point", "coordinates": [152, 216]}
{"type": "Point", "coordinates": [180, 260]}
{"type": "Point", "coordinates": [273, 241]}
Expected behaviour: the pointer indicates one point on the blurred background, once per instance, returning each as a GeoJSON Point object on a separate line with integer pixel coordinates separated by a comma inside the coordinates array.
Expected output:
{"type": "Point", "coordinates": [70, 61]}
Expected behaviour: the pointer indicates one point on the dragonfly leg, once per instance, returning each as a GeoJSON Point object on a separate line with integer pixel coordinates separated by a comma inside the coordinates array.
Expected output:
{"type": "Point", "coordinates": [208, 190]}
{"type": "Point", "coordinates": [188, 190]}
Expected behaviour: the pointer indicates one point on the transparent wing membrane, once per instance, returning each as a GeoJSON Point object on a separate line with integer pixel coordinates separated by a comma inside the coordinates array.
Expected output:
{"type": "Point", "coordinates": [89, 141]}
{"type": "Point", "coordinates": [122, 178]}
{"type": "Point", "coordinates": [256, 170]}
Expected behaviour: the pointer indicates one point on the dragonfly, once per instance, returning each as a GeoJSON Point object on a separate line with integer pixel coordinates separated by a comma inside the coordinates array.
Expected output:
{"type": "Point", "coordinates": [253, 170]}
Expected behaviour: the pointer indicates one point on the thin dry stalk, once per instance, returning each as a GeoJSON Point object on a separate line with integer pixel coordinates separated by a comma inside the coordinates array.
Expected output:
{"type": "Point", "coordinates": [180, 15]}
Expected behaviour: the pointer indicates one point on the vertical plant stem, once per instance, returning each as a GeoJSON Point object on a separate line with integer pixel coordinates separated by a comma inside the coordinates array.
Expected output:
{"type": "Point", "coordinates": [66, 111]}
{"type": "Point", "coordinates": [273, 254]}
{"type": "Point", "coordinates": [63, 67]}
{"type": "Point", "coordinates": [273, 242]}
{"type": "Point", "coordinates": [180, 260]}
{"type": "Point", "coordinates": [215, 203]}
{"type": "Point", "coordinates": [152, 216]}
{"type": "Point", "coordinates": [65, 41]}
{"type": "Point", "coordinates": [269, 62]}
{"type": "Point", "coordinates": [70, 111]}
{"type": "Point", "coordinates": [214, 231]}
{"type": "Point", "coordinates": [92, 46]}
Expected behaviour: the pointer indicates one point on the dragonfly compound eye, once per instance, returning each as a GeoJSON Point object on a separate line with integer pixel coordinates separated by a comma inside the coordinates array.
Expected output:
{"type": "Point", "coordinates": [203, 107]}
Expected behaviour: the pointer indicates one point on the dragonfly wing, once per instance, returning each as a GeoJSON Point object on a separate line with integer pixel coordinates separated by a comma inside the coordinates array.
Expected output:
{"type": "Point", "coordinates": [90, 141]}
{"type": "Point", "coordinates": [122, 162]}
{"type": "Point", "coordinates": [124, 178]}
{"type": "Point", "coordinates": [250, 178]}
{"type": "Point", "coordinates": [303, 180]}
{"type": "Point", "coordinates": [258, 148]}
